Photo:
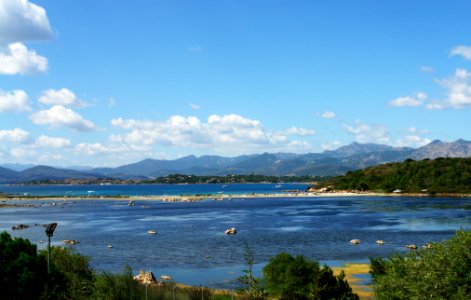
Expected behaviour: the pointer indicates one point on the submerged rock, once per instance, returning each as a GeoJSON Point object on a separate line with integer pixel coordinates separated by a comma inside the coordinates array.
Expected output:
{"type": "Point", "coordinates": [20, 226]}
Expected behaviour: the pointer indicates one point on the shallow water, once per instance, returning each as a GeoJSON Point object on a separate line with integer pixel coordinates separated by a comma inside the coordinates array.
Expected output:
{"type": "Point", "coordinates": [190, 244]}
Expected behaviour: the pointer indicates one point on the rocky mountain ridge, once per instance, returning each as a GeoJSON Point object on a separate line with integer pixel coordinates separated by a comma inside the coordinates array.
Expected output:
{"type": "Point", "coordinates": [328, 163]}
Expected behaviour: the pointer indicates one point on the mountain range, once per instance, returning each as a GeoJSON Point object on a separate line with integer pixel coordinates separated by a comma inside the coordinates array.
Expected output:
{"type": "Point", "coordinates": [328, 163]}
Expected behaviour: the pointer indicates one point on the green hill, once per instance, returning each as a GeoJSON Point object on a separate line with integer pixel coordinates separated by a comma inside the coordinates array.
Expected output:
{"type": "Point", "coordinates": [442, 175]}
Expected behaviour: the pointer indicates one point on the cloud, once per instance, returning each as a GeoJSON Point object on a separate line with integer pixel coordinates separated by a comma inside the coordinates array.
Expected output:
{"type": "Point", "coordinates": [463, 51]}
{"type": "Point", "coordinates": [21, 20]}
{"type": "Point", "coordinates": [413, 141]}
{"type": "Point", "coordinates": [228, 133]}
{"type": "Point", "coordinates": [92, 148]}
{"type": "Point", "coordinates": [328, 115]}
{"type": "Point", "coordinates": [368, 133]}
{"type": "Point", "coordinates": [458, 91]}
{"type": "Point", "coordinates": [59, 116]}
{"type": "Point", "coordinates": [331, 145]}
{"type": "Point", "coordinates": [426, 69]}
{"type": "Point", "coordinates": [16, 135]}
{"type": "Point", "coordinates": [63, 97]}
{"type": "Point", "coordinates": [195, 49]}
{"type": "Point", "coordinates": [194, 106]}
{"type": "Point", "coordinates": [14, 101]}
{"type": "Point", "coordinates": [51, 142]}
{"type": "Point", "coordinates": [112, 102]}
{"type": "Point", "coordinates": [299, 131]}
{"type": "Point", "coordinates": [17, 59]}
{"type": "Point", "coordinates": [416, 100]}
{"type": "Point", "coordinates": [21, 153]}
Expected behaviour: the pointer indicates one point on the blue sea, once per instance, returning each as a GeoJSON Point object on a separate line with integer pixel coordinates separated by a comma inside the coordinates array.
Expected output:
{"type": "Point", "coordinates": [190, 244]}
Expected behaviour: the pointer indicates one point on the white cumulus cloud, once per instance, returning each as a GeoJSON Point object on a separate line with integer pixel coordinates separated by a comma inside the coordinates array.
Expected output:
{"type": "Point", "coordinates": [16, 135]}
{"type": "Point", "coordinates": [17, 59]}
{"type": "Point", "coordinates": [21, 20]}
{"type": "Point", "coordinates": [230, 133]}
{"type": "Point", "coordinates": [413, 141]}
{"type": "Point", "coordinates": [64, 97]}
{"type": "Point", "coordinates": [299, 131]}
{"type": "Point", "coordinates": [93, 149]}
{"type": "Point", "coordinates": [14, 101]}
{"type": "Point", "coordinates": [59, 116]}
{"type": "Point", "coordinates": [328, 115]}
{"type": "Point", "coordinates": [51, 142]}
{"type": "Point", "coordinates": [365, 133]}
{"type": "Point", "coordinates": [194, 106]}
{"type": "Point", "coordinates": [331, 145]}
{"type": "Point", "coordinates": [416, 100]}
{"type": "Point", "coordinates": [458, 88]}
{"type": "Point", "coordinates": [464, 51]}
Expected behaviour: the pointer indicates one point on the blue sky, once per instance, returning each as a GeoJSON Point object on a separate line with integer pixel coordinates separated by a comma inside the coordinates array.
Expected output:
{"type": "Point", "coordinates": [105, 83]}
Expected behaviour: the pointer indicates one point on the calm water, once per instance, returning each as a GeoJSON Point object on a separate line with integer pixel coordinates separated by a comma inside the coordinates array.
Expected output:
{"type": "Point", "coordinates": [148, 189]}
{"type": "Point", "coordinates": [191, 245]}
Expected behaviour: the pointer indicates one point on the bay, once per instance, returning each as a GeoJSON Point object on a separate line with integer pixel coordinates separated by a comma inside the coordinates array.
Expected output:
{"type": "Point", "coordinates": [190, 244]}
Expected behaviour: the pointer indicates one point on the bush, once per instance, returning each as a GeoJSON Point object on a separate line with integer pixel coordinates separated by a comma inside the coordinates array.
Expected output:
{"type": "Point", "coordinates": [443, 272]}
{"type": "Point", "coordinates": [23, 273]}
{"type": "Point", "coordinates": [117, 286]}
{"type": "Point", "coordinates": [289, 277]}
{"type": "Point", "coordinates": [71, 272]}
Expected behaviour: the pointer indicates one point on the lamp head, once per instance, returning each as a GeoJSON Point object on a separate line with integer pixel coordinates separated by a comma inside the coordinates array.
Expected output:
{"type": "Point", "coordinates": [50, 229]}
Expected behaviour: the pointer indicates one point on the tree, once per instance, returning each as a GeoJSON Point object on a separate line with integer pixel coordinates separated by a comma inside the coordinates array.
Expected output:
{"type": "Point", "coordinates": [289, 277]}
{"type": "Point", "coordinates": [23, 274]}
{"type": "Point", "coordinates": [443, 272]}
{"type": "Point", "coordinates": [252, 285]}
{"type": "Point", "coordinates": [71, 270]}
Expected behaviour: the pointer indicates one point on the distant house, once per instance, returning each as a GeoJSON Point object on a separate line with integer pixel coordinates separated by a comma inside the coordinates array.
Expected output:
{"type": "Point", "coordinates": [397, 191]}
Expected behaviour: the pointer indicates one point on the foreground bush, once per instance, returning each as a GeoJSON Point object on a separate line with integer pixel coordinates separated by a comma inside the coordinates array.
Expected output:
{"type": "Point", "coordinates": [443, 272]}
{"type": "Point", "coordinates": [289, 277]}
{"type": "Point", "coordinates": [23, 273]}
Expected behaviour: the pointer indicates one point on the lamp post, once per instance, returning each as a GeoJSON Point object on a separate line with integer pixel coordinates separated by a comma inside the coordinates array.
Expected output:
{"type": "Point", "coordinates": [49, 232]}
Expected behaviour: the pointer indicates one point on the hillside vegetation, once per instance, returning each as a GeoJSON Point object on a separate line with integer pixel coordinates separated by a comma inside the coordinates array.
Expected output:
{"type": "Point", "coordinates": [442, 175]}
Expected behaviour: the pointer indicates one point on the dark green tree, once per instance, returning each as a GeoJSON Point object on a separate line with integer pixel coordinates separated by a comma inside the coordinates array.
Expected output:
{"type": "Point", "coordinates": [443, 272]}
{"type": "Point", "coordinates": [23, 274]}
{"type": "Point", "coordinates": [72, 276]}
{"type": "Point", "coordinates": [289, 277]}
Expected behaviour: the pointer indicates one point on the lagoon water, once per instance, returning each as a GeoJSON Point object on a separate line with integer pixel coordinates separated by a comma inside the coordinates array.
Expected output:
{"type": "Point", "coordinates": [190, 244]}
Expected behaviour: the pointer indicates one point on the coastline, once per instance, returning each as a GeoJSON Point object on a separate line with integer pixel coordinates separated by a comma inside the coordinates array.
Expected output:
{"type": "Point", "coordinates": [222, 197]}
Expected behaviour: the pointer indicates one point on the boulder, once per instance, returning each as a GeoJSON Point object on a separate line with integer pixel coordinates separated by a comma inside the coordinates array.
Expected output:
{"type": "Point", "coordinates": [20, 226]}
{"type": "Point", "coordinates": [166, 277]}
{"type": "Point", "coordinates": [231, 230]}
{"type": "Point", "coordinates": [70, 242]}
{"type": "Point", "coordinates": [145, 277]}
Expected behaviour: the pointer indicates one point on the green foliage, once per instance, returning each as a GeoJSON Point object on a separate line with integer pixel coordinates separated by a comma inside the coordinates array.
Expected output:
{"type": "Point", "coordinates": [252, 285]}
{"type": "Point", "coordinates": [442, 175]}
{"type": "Point", "coordinates": [121, 286]}
{"type": "Point", "coordinates": [71, 272]}
{"type": "Point", "coordinates": [289, 277]}
{"type": "Point", "coordinates": [23, 273]}
{"type": "Point", "coordinates": [249, 178]}
{"type": "Point", "coordinates": [443, 272]}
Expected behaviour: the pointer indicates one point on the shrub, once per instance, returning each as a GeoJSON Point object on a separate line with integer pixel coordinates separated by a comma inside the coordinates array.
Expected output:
{"type": "Point", "coordinates": [289, 277]}
{"type": "Point", "coordinates": [443, 272]}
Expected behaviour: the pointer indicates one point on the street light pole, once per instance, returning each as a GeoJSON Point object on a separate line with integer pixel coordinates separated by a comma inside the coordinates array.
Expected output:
{"type": "Point", "coordinates": [49, 232]}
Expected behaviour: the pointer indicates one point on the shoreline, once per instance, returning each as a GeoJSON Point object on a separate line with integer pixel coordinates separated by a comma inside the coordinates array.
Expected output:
{"type": "Point", "coordinates": [223, 197]}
